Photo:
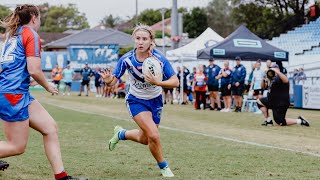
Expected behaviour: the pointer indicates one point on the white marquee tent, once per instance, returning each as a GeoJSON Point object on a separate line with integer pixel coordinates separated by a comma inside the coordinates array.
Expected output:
{"type": "Point", "coordinates": [189, 52]}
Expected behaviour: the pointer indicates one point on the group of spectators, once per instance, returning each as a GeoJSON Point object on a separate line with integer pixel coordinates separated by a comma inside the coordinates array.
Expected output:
{"type": "Point", "coordinates": [67, 75]}
{"type": "Point", "coordinates": [299, 75]}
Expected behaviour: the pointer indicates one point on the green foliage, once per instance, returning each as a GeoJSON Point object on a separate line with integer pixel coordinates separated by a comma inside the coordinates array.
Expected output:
{"type": "Point", "coordinates": [61, 18]}
{"type": "Point", "coordinates": [195, 22]}
{"type": "Point", "coordinates": [123, 51]}
{"type": "Point", "coordinates": [4, 12]}
{"type": "Point", "coordinates": [219, 17]}
{"type": "Point", "coordinates": [158, 34]}
{"type": "Point", "coordinates": [110, 22]}
{"type": "Point", "coordinates": [151, 16]}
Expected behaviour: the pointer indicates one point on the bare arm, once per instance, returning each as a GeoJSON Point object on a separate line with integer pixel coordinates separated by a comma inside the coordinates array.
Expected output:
{"type": "Point", "coordinates": [172, 82]}
{"type": "Point", "coordinates": [35, 71]}
{"type": "Point", "coordinates": [283, 77]}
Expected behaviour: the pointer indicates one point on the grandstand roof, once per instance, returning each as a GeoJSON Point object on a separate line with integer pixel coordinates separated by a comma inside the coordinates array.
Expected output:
{"type": "Point", "coordinates": [245, 44]}
{"type": "Point", "coordinates": [93, 36]}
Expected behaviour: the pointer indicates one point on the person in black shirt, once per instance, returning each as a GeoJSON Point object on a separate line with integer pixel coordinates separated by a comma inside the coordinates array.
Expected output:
{"type": "Point", "coordinates": [186, 72]}
{"type": "Point", "coordinates": [278, 100]}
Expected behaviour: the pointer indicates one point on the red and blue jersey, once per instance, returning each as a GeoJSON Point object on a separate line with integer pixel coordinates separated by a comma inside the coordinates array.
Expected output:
{"type": "Point", "coordinates": [14, 77]}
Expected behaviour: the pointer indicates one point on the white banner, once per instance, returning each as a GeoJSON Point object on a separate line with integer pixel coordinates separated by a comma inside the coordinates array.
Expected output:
{"type": "Point", "coordinates": [311, 96]}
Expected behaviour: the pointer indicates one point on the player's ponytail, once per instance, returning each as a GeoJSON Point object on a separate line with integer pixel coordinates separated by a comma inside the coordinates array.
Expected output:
{"type": "Point", "coordinates": [20, 16]}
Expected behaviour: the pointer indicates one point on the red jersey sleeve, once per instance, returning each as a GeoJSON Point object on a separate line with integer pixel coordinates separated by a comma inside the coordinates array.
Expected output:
{"type": "Point", "coordinates": [31, 42]}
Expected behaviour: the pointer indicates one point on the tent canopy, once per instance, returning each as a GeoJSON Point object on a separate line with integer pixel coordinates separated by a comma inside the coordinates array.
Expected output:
{"type": "Point", "coordinates": [245, 44]}
{"type": "Point", "coordinates": [189, 52]}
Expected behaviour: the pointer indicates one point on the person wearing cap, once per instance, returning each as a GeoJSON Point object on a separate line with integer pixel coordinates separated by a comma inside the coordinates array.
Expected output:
{"type": "Point", "coordinates": [237, 83]}
{"type": "Point", "coordinates": [213, 84]}
{"type": "Point", "coordinates": [68, 75]}
{"type": "Point", "coordinates": [278, 100]}
{"type": "Point", "coordinates": [86, 74]}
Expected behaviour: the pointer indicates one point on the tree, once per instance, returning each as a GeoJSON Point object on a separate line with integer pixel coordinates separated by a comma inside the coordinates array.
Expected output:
{"type": "Point", "coordinates": [151, 16]}
{"type": "Point", "coordinates": [110, 22]}
{"type": "Point", "coordinates": [195, 22]}
{"type": "Point", "coordinates": [219, 16]}
{"type": "Point", "coordinates": [4, 12]}
{"type": "Point", "coordinates": [61, 18]}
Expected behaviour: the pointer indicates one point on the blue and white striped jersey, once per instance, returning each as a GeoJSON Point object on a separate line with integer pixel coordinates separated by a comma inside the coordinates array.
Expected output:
{"type": "Point", "coordinates": [138, 86]}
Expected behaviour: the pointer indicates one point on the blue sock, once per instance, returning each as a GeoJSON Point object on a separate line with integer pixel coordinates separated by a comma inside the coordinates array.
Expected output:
{"type": "Point", "coordinates": [122, 135]}
{"type": "Point", "coordinates": [163, 164]}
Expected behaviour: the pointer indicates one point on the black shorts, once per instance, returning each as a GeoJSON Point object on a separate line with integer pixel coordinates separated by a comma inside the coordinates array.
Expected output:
{"type": "Point", "coordinates": [279, 112]}
{"type": "Point", "coordinates": [225, 91]}
{"type": "Point", "coordinates": [68, 83]}
{"type": "Point", "coordinates": [213, 87]}
{"type": "Point", "coordinates": [185, 88]}
{"type": "Point", "coordinates": [97, 84]}
{"type": "Point", "coordinates": [85, 82]}
{"type": "Point", "coordinates": [56, 82]}
{"type": "Point", "coordinates": [168, 90]}
{"type": "Point", "coordinates": [237, 91]}
{"type": "Point", "coordinates": [258, 92]}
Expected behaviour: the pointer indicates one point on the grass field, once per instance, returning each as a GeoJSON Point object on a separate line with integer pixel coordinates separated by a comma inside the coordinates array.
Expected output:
{"type": "Point", "coordinates": [197, 144]}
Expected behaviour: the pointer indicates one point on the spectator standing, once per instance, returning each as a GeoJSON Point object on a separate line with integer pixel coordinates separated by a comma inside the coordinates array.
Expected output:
{"type": "Point", "coordinates": [256, 84]}
{"type": "Point", "coordinates": [56, 75]}
{"type": "Point", "coordinates": [97, 81]}
{"type": "Point", "coordinates": [86, 74]}
{"type": "Point", "coordinates": [213, 84]}
{"type": "Point", "coordinates": [200, 88]}
{"type": "Point", "coordinates": [68, 75]}
{"type": "Point", "coordinates": [238, 77]}
{"type": "Point", "coordinates": [225, 75]}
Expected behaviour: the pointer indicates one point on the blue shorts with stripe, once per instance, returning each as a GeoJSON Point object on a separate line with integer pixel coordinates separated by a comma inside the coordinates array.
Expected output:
{"type": "Point", "coordinates": [136, 106]}
{"type": "Point", "coordinates": [14, 107]}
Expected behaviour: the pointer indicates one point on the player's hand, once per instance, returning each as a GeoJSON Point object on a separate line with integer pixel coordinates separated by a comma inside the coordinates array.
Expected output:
{"type": "Point", "coordinates": [106, 76]}
{"type": "Point", "coordinates": [229, 86]}
{"type": "Point", "coordinates": [52, 88]}
{"type": "Point", "coordinates": [276, 70]}
{"type": "Point", "coordinates": [237, 84]}
{"type": "Point", "coordinates": [151, 79]}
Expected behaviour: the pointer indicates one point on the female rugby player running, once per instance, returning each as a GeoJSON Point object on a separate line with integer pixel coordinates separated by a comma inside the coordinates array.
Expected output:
{"type": "Point", "coordinates": [144, 99]}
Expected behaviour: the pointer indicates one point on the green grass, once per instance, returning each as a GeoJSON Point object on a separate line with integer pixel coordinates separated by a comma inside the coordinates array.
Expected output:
{"type": "Point", "coordinates": [84, 137]}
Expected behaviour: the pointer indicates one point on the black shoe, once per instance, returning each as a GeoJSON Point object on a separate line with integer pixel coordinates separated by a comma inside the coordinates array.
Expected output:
{"type": "Point", "coordinates": [171, 102]}
{"type": "Point", "coordinates": [72, 178]}
{"type": "Point", "coordinates": [266, 123]}
{"type": "Point", "coordinates": [79, 94]}
{"type": "Point", "coordinates": [87, 95]}
{"type": "Point", "coordinates": [218, 109]}
{"type": "Point", "coordinates": [304, 122]}
{"type": "Point", "coordinates": [211, 108]}
{"type": "Point", "coordinates": [165, 102]}
{"type": "Point", "coordinates": [3, 165]}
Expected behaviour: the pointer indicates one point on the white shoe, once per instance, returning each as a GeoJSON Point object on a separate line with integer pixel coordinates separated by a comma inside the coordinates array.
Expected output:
{"type": "Point", "coordinates": [223, 110]}
{"type": "Point", "coordinates": [63, 94]}
{"type": "Point", "coordinates": [97, 95]}
{"type": "Point", "coordinates": [68, 94]}
{"type": "Point", "coordinates": [166, 172]}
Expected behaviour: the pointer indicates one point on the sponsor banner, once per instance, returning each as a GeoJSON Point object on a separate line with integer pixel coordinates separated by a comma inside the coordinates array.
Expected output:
{"type": "Point", "coordinates": [311, 96]}
{"type": "Point", "coordinates": [250, 43]}
{"type": "Point", "coordinates": [219, 52]}
{"type": "Point", "coordinates": [280, 55]}
{"type": "Point", "coordinates": [50, 59]}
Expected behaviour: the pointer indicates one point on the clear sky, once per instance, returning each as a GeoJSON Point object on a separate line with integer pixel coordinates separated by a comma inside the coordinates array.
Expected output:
{"type": "Point", "coordinates": [95, 10]}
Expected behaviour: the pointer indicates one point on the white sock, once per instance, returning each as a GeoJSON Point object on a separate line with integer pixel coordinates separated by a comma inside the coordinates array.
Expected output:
{"type": "Point", "coordinates": [268, 119]}
{"type": "Point", "coordinates": [298, 121]}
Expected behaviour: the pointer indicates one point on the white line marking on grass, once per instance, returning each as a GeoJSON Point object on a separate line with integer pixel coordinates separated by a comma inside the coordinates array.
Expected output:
{"type": "Point", "coordinates": [192, 132]}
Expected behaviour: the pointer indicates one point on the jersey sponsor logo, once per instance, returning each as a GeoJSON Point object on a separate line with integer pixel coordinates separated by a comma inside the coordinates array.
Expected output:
{"type": "Point", "coordinates": [142, 85]}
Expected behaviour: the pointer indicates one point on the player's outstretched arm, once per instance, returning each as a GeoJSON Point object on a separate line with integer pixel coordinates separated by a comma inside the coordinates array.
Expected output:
{"type": "Point", "coordinates": [108, 78]}
{"type": "Point", "coordinates": [35, 71]}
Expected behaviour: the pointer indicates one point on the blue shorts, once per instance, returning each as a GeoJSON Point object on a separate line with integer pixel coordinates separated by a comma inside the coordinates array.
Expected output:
{"type": "Point", "coordinates": [14, 107]}
{"type": "Point", "coordinates": [136, 106]}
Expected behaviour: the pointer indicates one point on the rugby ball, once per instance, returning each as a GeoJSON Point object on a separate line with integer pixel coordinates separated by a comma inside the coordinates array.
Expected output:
{"type": "Point", "coordinates": [152, 66]}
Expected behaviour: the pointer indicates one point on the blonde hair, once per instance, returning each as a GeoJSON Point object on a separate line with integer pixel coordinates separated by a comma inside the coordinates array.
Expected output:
{"type": "Point", "coordinates": [146, 28]}
{"type": "Point", "coordinates": [20, 16]}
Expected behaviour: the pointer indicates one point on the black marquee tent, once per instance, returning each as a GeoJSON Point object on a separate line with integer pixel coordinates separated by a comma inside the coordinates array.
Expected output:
{"type": "Point", "coordinates": [245, 44]}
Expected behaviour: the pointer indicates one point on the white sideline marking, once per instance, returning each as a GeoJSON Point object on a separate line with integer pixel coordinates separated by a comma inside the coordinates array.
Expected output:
{"type": "Point", "coordinates": [196, 133]}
